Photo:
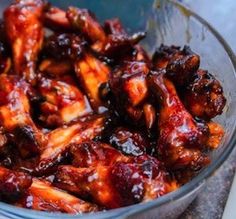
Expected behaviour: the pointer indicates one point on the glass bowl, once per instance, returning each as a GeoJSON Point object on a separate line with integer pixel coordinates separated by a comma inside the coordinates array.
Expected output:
{"type": "Point", "coordinates": [169, 23]}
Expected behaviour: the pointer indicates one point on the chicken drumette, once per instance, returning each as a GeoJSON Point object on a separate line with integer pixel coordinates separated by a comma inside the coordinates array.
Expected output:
{"type": "Point", "coordinates": [203, 96]}
{"type": "Point", "coordinates": [63, 102]}
{"type": "Point", "coordinates": [181, 137]}
{"type": "Point", "coordinates": [111, 179]}
{"type": "Point", "coordinates": [42, 196]}
{"type": "Point", "coordinates": [24, 30]}
{"type": "Point", "coordinates": [60, 140]}
{"type": "Point", "coordinates": [201, 91]}
{"type": "Point", "coordinates": [13, 185]}
{"type": "Point", "coordinates": [15, 114]}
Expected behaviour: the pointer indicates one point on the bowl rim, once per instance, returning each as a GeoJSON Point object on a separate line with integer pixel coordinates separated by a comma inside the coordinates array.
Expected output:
{"type": "Point", "coordinates": [18, 212]}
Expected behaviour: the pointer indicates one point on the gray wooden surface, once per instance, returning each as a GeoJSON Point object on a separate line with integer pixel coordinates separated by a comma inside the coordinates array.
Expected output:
{"type": "Point", "coordinates": [211, 202]}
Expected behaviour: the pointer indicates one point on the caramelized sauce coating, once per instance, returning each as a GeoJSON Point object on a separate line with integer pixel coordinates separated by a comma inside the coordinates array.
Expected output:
{"type": "Point", "coordinates": [180, 136]}
{"type": "Point", "coordinates": [129, 142]}
{"type": "Point", "coordinates": [89, 121]}
{"type": "Point", "coordinates": [85, 21]}
{"type": "Point", "coordinates": [15, 116]}
{"type": "Point", "coordinates": [105, 174]}
{"type": "Point", "coordinates": [128, 83]}
{"type": "Point", "coordinates": [91, 72]}
{"type": "Point", "coordinates": [108, 45]}
{"type": "Point", "coordinates": [56, 19]}
{"type": "Point", "coordinates": [117, 185]}
{"type": "Point", "coordinates": [60, 139]}
{"type": "Point", "coordinates": [179, 64]}
{"type": "Point", "coordinates": [204, 96]}
{"type": "Point", "coordinates": [53, 69]}
{"type": "Point", "coordinates": [216, 134]}
{"type": "Point", "coordinates": [63, 102]}
{"type": "Point", "coordinates": [64, 46]}
{"type": "Point", "coordinates": [24, 30]}
{"type": "Point", "coordinates": [44, 197]}
{"type": "Point", "coordinates": [13, 184]}
{"type": "Point", "coordinates": [92, 154]}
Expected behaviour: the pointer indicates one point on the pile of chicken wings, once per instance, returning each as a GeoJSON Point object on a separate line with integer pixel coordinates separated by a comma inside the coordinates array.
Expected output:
{"type": "Point", "coordinates": [88, 121]}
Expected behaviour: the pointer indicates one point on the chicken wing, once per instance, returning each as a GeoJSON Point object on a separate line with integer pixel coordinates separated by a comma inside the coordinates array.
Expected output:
{"type": "Point", "coordinates": [92, 154]}
{"type": "Point", "coordinates": [180, 138]}
{"type": "Point", "coordinates": [117, 45]}
{"type": "Point", "coordinates": [129, 142]}
{"type": "Point", "coordinates": [202, 93]}
{"type": "Point", "coordinates": [15, 116]}
{"type": "Point", "coordinates": [117, 185]}
{"type": "Point", "coordinates": [128, 82]}
{"type": "Point", "coordinates": [60, 140]}
{"type": "Point", "coordinates": [91, 72]}
{"type": "Point", "coordinates": [107, 45]}
{"type": "Point", "coordinates": [129, 87]}
{"type": "Point", "coordinates": [24, 30]}
{"type": "Point", "coordinates": [204, 97]}
{"type": "Point", "coordinates": [44, 197]}
{"type": "Point", "coordinates": [13, 184]}
{"type": "Point", "coordinates": [64, 46]}
{"type": "Point", "coordinates": [179, 64]}
{"type": "Point", "coordinates": [56, 19]}
{"type": "Point", "coordinates": [54, 69]}
{"type": "Point", "coordinates": [63, 102]}
{"type": "Point", "coordinates": [85, 21]}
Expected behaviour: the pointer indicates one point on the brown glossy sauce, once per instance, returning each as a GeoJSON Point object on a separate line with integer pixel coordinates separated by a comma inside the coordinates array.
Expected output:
{"type": "Point", "coordinates": [90, 122]}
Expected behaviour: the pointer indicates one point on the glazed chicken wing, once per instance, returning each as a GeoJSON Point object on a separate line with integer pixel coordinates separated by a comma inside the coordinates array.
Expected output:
{"type": "Point", "coordinates": [120, 184]}
{"type": "Point", "coordinates": [179, 64]}
{"type": "Point", "coordinates": [128, 82]}
{"type": "Point", "coordinates": [202, 93]}
{"type": "Point", "coordinates": [54, 69]}
{"type": "Point", "coordinates": [92, 154]}
{"type": "Point", "coordinates": [85, 21]}
{"type": "Point", "coordinates": [113, 179]}
{"type": "Point", "coordinates": [63, 102]}
{"type": "Point", "coordinates": [129, 87]}
{"type": "Point", "coordinates": [180, 138]}
{"type": "Point", "coordinates": [106, 44]}
{"type": "Point", "coordinates": [103, 184]}
{"type": "Point", "coordinates": [91, 72]}
{"type": "Point", "coordinates": [60, 51]}
{"type": "Point", "coordinates": [44, 197]}
{"type": "Point", "coordinates": [137, 53]}
{"type": "Point", "coordinates": [13, 184]}
{"type": "Point", "coordinates": [117, 45]}
{"type": "Point", "coordinates": [15, 116]}
{"type": "Point", "coordinates": [204, 97]}
{"type": "Point", "coordinates": [89, 121]}
{"type": "Point", "coordinates": [24, 29]}
{"type": "Point", "coordinates": [64, 46]}
{"type": "Point", "coordinates": [59, 141]}
{"type": "Point", "coordinates": [129, 142]}
{"type": "Point", "coordinates": [56, 19]}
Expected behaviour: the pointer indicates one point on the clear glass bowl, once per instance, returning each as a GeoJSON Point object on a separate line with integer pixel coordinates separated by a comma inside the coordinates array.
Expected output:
{"type": "Point", "coordinates": [169, 23]}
